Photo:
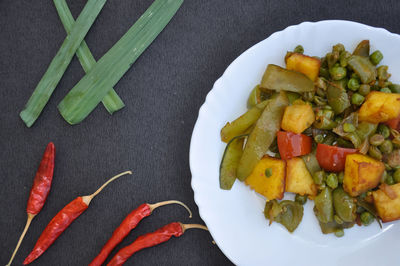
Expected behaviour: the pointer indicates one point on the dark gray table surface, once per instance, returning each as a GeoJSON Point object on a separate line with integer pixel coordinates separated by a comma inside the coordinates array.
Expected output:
{"type": "Point", "coordinates": [151, 135]}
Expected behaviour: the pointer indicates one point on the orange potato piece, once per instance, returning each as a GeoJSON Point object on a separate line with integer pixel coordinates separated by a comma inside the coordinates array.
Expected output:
{"type": "Point", "coordinates": [297, 118]}
{"type": "Point", "coordinates": [298, 178]}
{"type": "Point", "coordinates": [388, 209]}
{"type": "Point", "coordinates": [271, 187]}
{"type": "Point", "coordinates": [361, 173]}
{"type": "Point", "coordinates": [307, 65]}
{"type": "Point", "coordinates": [380, 107]}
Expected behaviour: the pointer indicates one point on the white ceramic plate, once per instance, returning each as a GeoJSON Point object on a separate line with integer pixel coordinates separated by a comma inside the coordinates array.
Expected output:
{"type": "Point", "coordinates": [235, 218]}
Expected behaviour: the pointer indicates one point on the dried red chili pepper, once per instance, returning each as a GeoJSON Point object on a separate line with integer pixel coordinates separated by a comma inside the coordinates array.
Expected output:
{"type": "Point", "coordinates": [63, 219]}
{"type": "Point", "coordinates": [152, 239]}
{"type": "Point", "coordinates": [40, 190]}
{"type": "Point", "coordinates": [127, 225]}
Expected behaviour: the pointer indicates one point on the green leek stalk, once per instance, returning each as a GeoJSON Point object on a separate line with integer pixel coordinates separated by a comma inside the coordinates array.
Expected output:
{"type": "Point", "coordinates": [112, 102]}
{"type": "Point", "coordinates": [89, 91]}
{"type": "Point", "coordinates": [60, 62]}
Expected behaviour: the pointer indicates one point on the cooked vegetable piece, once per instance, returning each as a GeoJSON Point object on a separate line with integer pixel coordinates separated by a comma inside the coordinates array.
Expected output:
{"type": "Point", "coordinates": [362, 49]}
{"type": "Point", "coordinates": [112, 102]}
{"type": "Point", "coordinates": [60, 62]}
{"type": "Point", "coordinates": [380, 107]}
{"type": "Point", "coordinates": [298, 178]}
{"type": "Point", "coordinates": [323, 208]}
{"type": "Point", "coordinates": [363, 67]}
{"type": "Point", "coordinates": [230, 161]}
{"type": "Point", "coordinates": [307, 65]}
{"type": "Point", "coordinates": [242, 123]}
{"type": "Point", "coordinates": [92, 88]}
{"type": "Point", "coordinates": [365, 130]}
{"type": "Point", "coordinates": [361, 174]}
{"type": "Point", "coordinates": [345, 206]}
{"type": "Point", "coordinates": [297, 118]}
{"type": "Point", "coordinates": [388, 209]}
{"type": "Point", "coordinates": [288, 213]}
{"type": "Point", "coordinates": [262, 135]}
{"type": "Point", "coordinates": [311, 162]}
{"type": "Point", "coordinates": [337, 98]}
{"type": "Point", "coordinates": [268, 178]}
{"type": "Point", "coordinates": [393, 123]}
{"type": "Point", "coordinates": [376, 57]}
{"type": "Point", "coordinates": [332, 158]}
{"type": "Point", "coordinates": [334, 227]}
{"type": "Point", "coordinates": [257, 96]}
{"type": "Point", "coordinates": [277, 78]}
{"type": "Point", "coordinates": [393, 159]}
{"type": "Point", "coordinates": [292, 145]}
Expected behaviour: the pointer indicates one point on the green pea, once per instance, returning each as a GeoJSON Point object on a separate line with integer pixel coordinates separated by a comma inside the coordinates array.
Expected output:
{"type": "Point", "coordinates": [268, 172]}
{"type": "Point", "coordinates": [355, 76]}
{"type": "Point", "coordinates": [386, 147]}
{"type": "Point", "coordinates": [389, 180]}
{"type": "Point", "coordinates": [338, 48]}
{"type": "Point", "coordinates": [329, 114]}
{"type": "Point", "coordinates": [376, 139]}
{"type": "Point", "coordinates": [366, 218]}
{"type": "Point", "coordinates": [339, 233]}
{"type": "Point", "coordinates": [347, 127]}
{"type": "Point", "coordinates": [324, 72]}
{"type": "Point", "coordinates": [319, 177]}
{"type": "Point", "coordinates": [319, 138]}
{"type": "Point", "coordinates": [301, 199]}
{"type": "Point", "coordinates": [341, 177]}
{"type": "Point", "coordinates": [332, 181]}
{"type": "Point", "coordinates": [384, 130]}
{"type": "Point", "coordinates": [376, 57]}
{"type": "Point", "coordinates": [374, 152]}
{"type": "Point", "coordinates": [386, 90]}
{"type": "Point", "coordinates": [337, 219]}
{"type": "Point", "coordinates": [382, 73]}
{"type": "Point", "coordinates": [395, 88]}
{"type": "Point", "coordinates": [299, 49]}
{"type": "Point", "coordinates": [338, 72]}
{"type": "Point", "coordinates": [353, 84]}
{"type": "Point", "coordinates": [357, 99]}
{"type": "Point", "coordinates": [364, 89]}
{"type": "Point", "coordinates": [396, 176]}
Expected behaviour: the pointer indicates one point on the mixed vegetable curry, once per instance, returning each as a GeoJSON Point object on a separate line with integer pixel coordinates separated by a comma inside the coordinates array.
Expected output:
{"type": "Point", "coordinates": [325, 129]}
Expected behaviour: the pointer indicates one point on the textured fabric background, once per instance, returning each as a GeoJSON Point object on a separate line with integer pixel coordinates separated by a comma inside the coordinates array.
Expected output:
{"type": "Point", "coordinates": [151, 135]}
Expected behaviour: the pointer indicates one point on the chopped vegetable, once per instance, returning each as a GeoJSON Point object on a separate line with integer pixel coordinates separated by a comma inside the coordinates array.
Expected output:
{"type": "Point", "coordinates": [292, 145]}
{"type": "Point", "coordinates": [92, 88]}
{"type": "Point", "coordinates": [262, 135]}
{"type": "Point", "coordinates": [363, 67]}
{"type": "Point", "coordinates": [345, 206]}
{"type": "Point", "coordinates": [324, 206]}
{"type": "Point", "coordinates": [288, 213]}
{"type": "Point", "coordinates": [362, 49]}
{"type": "Point", "coordinates": [337, 98]}
{"type": "Point", "coordinates": [298, 178]}
{"type": "Point", "coordinates": [361, 174]}
{"type": "Point", "coordinates": [268, 178]}
{"type": "Point", "coordinates": [307, 65]}
{"type": "Point", "coordinates": [112, 102]}
{"type": "Point", "coordinates": [60, 62]}
{"type": "Point", "coordinates": [388, 209]}
{"type": "Point", "coordinates": [380, 107]}
{"type": "Point", "coordinates": [297, 118]}
{"type": "Point", "coordinates": [332, 158]}
{"type": "Point", "coordinates": [242, 123]}
{"type": "Point", "coordinates": [277, 78]}
{"type": "Point", "coordinates": [230, 160]}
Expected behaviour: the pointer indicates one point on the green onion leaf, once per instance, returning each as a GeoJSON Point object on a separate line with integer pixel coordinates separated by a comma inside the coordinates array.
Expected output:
{"type": "Point", "coordinates": [60, 62]}
{"type": "Point", "coordinates": [112, 102]}
{"type": "Point", "coordinates": [91, 89]}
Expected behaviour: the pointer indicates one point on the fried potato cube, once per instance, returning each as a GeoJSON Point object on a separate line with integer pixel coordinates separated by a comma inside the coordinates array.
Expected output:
{"type": "Point", "coordinates": [298, 178]}
{"type": "Point", "coordinates": [361, 173]}
{"type": "Point", "coordinates": [268, 178]}
{"type": "Point", "coordinates": [297, 118]}
{"type": "Point", "coordinates": [388, 209]}
{"type": "Point", "coordinates": [307, 65]}
{"type": "Point", "coordinates": [380, 107]}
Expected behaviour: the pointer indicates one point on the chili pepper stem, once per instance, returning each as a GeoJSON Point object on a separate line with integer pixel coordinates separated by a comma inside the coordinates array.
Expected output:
{"type": "Point", "coordinates": [163, 203]}
{"type": "Point", "coordinates": [28, 223]}
{"type": "Point", "coordinates": [192, 226]}
{"type": "Point", "coordinates": [88, 199]}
